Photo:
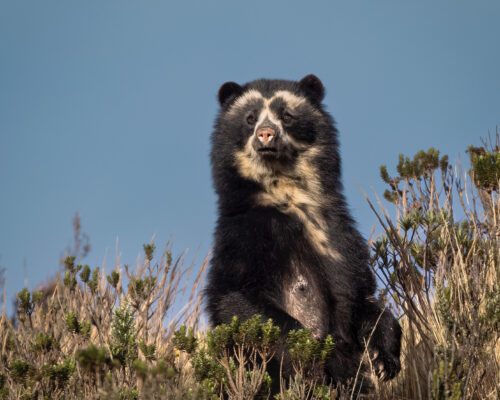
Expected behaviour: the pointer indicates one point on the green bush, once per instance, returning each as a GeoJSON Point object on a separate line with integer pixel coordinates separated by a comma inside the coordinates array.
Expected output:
{"type": "Point", "coordinates": [88, 334]}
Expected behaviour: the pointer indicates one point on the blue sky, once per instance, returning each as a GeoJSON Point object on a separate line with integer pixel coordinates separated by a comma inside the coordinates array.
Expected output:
{"type": "Point", "coordinates": [106, 107]}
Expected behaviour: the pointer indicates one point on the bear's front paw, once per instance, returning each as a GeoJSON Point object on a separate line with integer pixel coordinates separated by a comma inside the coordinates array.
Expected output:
{"type": "Point", "coordinates": [386, 366]}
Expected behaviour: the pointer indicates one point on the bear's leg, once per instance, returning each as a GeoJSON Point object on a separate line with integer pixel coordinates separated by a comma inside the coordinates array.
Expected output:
{"type": "Point", "coordinates": [385, 341]}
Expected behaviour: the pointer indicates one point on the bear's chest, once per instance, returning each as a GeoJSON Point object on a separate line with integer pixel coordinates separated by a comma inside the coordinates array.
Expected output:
{"type": "Point", "coordinates": [303, 201]}
{"type": "Point", "coordinates": [304, 300]}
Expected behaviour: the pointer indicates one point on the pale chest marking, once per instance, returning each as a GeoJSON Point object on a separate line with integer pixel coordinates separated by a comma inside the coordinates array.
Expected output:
{"type": "Point", "coordinates": [290, 198]}
{"type": "Point", "coordinates": [302, 196]}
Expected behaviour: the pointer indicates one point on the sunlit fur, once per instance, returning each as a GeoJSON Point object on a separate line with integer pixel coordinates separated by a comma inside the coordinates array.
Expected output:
{"type": "Point", "coordinates": [296, 192]}
{"type": "Point", "coordinates": [285, 245]}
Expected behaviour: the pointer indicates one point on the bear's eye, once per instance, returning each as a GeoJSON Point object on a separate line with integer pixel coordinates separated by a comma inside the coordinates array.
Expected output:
{"type": "Point", "coordinates": [287, 117]}
{"type": "Point", "coordinates": [251, 119]}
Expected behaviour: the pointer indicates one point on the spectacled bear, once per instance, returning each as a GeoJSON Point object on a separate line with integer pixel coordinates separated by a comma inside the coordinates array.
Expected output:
{"type": "Point", "coordinates": [285, 245]}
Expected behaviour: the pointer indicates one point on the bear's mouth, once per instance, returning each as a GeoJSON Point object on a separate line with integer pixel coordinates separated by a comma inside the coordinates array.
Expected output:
{"type": "Point", "coordinates": [268, 150]}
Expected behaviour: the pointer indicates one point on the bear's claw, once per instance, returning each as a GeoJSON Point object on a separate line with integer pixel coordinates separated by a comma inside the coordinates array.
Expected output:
{"type": "Point", "coordinates": [385, 365]}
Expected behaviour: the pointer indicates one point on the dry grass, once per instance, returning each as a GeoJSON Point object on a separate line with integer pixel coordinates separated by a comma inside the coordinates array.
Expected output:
{"type": "Point", "coordinates": [93, 334]}
{"type": "Point", "coordinates": [78, 314]}
{"type": "Point", "coordinates": [439, 264]}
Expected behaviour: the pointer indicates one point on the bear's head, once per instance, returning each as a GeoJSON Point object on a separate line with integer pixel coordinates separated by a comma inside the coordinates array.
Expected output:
{"type": "Point", "coordinates": [272, 120]}
{"type": "Point", "coordinates": [274, 132]}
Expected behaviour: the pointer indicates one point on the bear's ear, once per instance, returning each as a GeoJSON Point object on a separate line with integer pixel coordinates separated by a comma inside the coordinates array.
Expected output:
{"type": "Point", "coordinates": [228, 90]}
{"type": "Point", "coordinates": [312, 88]}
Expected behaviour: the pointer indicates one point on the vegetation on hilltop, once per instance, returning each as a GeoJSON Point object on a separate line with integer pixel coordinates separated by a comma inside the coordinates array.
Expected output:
{"type": "Point", "coordinates": [89, 334]}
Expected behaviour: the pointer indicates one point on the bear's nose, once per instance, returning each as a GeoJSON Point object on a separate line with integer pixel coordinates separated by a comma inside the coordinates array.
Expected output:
{"type": "Point", "coordinates": [265, 135]}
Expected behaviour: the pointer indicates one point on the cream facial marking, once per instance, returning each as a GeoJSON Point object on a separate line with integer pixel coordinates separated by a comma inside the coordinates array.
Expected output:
{"type": "Point", "coordinates": [267, 113]}
{"type": "Point", "coordinates": [291, 99]}
{"type": "Point", "coordinates": [244, 99]}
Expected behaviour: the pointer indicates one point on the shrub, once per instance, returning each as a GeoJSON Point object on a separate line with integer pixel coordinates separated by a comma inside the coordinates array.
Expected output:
{"type": "Point", "coordinates": [438, 261]}
{"type": "Point", "coordinates": [88, 334]}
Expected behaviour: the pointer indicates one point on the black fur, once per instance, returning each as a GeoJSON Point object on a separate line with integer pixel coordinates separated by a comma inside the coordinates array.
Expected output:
{"type": "Point", "coordinates": [261, 248]}
{"type": "Point", "coordinates": [228, 90]}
